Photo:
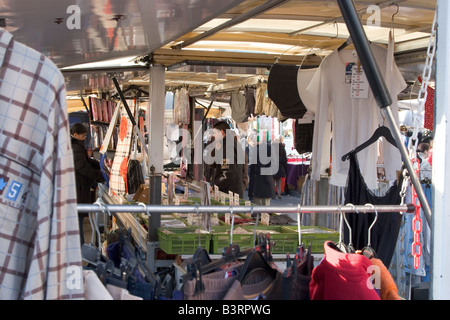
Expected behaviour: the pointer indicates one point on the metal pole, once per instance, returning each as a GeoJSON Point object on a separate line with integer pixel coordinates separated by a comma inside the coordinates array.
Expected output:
{"type": "Point", "coordinates": [168, 209]}
{"type": "Point", "coordinates": [380, 91]}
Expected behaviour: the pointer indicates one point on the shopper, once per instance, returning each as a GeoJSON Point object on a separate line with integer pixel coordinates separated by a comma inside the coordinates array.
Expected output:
{"type": "Point", "coordinates": [261, 175]}
{"type": "Point", "coordinates": [278, 146]}
{"type": "Point", "coordinates": [429, 151]}
{"type": "Point", "coordinates": [423, 153]}
{"type": "Point", "coordinates": [229, 162]}
{"type": "Point", "coordinates": [87, 170]}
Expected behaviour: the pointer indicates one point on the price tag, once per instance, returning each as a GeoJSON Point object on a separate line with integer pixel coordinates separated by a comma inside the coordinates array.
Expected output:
{"type": "Point", "coordinates": [248, 204]}
{"type": "Point", "coordinates": [216, 193]}
{"type": "Point", "coordinates": [359, 89]}
{"type": "Point", "coordinates": [231, 198]}
{"type": "Point", "coordinates": [236, 199]}
{"type": "Point", "coordinates": [186, 190]}
{"type": "Point", "coordinates": [265, 218]}
{"type": "Point", "coordinates": [222, 198]}
{"type": "Point", "coordinates": [227, 218]}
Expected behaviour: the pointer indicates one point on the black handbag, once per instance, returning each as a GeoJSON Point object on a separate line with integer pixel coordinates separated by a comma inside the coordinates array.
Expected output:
{"type": "Point", "coordinates": [135, 176]}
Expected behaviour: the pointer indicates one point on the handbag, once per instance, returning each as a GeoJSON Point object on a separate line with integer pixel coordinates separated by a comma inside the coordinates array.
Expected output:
{"type": "Point", "coordinates": [135, 176]}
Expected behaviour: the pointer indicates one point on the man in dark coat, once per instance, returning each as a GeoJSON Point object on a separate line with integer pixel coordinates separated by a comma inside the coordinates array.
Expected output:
{"type": "Point", "coordinates": [229, 161]}
{"type": "Point", "coordinates": [87, 170]}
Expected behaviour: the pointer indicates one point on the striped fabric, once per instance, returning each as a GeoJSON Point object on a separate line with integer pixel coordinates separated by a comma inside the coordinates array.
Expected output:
{"type": "Point", "coordinates": [40, 256]}
{"type": "Point", "coordinates": [118, 177]}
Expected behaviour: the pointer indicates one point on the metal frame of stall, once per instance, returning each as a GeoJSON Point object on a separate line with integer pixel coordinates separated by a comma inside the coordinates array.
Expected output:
{"type": "Point", "coordinates": [440, 288]}
{"type": "Point", "coordinates": [155, 211]}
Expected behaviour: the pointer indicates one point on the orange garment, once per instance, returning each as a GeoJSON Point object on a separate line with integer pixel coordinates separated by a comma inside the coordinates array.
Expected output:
{"type": "Point", "coordinates": [388, 290]}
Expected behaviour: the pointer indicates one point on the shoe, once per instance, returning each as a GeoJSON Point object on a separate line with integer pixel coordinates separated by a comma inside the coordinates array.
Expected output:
{"type": "Point", "coordinates": [279, 197]}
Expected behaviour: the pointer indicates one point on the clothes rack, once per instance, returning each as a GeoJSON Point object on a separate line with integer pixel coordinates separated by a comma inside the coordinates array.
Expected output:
{"type": "Point", "coordinates": [166, 209]}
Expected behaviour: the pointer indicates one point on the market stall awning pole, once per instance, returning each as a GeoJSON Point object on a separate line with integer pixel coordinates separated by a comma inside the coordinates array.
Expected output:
{"type": "Point", "coordinates": [380, 91]}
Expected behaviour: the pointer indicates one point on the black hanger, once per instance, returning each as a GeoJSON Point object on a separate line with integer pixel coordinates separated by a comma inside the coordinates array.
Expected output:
{"type": "Point", "coordinates": [345, 44]}
{"type": "Point", "coordinates": [202, 256]}
{"type": "Point", "coordinates": [255, 261]}
{"type": "Point", "coordinates": [381, 131]}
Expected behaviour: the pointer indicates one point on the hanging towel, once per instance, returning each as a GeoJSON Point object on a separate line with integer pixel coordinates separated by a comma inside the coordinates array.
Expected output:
{"type": "Point", "coordinates": [118, 178]}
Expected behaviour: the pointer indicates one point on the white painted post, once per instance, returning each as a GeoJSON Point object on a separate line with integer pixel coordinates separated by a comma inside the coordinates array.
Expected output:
{"type": "Point", "coordinates": [440, 282]}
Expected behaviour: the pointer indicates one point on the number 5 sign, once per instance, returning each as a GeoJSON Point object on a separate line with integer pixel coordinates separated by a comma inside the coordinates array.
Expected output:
{"type": "Point", "coordinates": [13, 191]}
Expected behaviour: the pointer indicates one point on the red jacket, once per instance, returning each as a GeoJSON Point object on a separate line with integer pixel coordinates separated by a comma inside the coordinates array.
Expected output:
{"type": "Point", "coordinates": [342, 276]}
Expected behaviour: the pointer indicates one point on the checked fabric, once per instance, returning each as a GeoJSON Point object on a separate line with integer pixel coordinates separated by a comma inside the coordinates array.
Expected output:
{"type": "Point", "coordinates": [40, 256]}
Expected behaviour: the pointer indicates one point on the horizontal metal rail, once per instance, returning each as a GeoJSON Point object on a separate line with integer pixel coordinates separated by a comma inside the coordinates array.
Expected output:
{"type": "Point", "coordinates": [166, 209]}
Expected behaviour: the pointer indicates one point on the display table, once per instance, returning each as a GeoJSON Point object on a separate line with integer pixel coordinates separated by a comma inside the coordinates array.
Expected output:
{"type": "Point", "coordinates": [296, 168]}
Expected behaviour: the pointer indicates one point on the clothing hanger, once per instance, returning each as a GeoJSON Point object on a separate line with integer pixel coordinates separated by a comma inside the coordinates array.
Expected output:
{"type": "Point", "coordinates": [349, 248]}
{"type": "Point", "coordinates": [345, 44]}
{"type": "Point", "coordinates": [256, 262]}
{"type": "Point", "coordinates": [381, 131]}
{"type": "Point", "coordinates": [90, 252]}
{"type": "Point", "coordinates": [201, 256]}
{"type": "Point", "coordinates": [201, 263]}
{"type": "Point", "coordinates": [341, 245]}
{"type": "Point", "coordinates": [368, 251]}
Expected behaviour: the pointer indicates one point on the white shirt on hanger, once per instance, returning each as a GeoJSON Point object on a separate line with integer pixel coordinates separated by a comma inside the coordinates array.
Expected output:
{"type": "Point", "coordinates": [353, 119]}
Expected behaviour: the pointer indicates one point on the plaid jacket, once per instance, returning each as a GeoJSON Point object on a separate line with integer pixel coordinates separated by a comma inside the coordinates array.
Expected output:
{"type": "Point", "coordinates": [40, 256]}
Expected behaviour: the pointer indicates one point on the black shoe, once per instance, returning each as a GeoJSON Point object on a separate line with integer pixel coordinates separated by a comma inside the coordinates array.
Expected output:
{"type": "Point", "coordinates": [279, 197]}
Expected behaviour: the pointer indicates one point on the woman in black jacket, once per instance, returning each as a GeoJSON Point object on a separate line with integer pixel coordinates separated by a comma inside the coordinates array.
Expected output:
{"type": "Point", "coordinates": [87, 170]}
{"type": "Point", "coordinates": [282, 164]}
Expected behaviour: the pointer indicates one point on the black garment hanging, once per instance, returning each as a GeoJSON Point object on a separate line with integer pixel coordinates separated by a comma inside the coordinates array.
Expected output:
{"type": "Point", "coordinates": [303, 136]}
{"type": "Point", "coordinates": [283, 91]}
{"type": "Point", "coordinates": [297, 276]}
{"type": "Point", "coordinates": [250, 101]}
{"type": "Point", "coordinates": [385, 231]}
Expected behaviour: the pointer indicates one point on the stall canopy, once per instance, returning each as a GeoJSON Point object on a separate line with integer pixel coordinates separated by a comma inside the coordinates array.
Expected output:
{"type": "Point", "coordinates": [206, 42]}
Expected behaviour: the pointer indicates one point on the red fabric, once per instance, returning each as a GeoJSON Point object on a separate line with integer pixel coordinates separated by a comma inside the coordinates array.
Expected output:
{"type": "Point", "coordinates": [429, 108]}
{"type": "Point", "coordinates": [342, 276]}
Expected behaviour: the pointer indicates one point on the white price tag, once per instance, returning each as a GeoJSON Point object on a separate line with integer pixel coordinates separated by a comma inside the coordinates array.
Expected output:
{"type": "Point", "coordinates": [216, 193]}
{"type": "Point", "coordinates": [359, 89]}
{"type": "Point", "coordinates": [231, 198]}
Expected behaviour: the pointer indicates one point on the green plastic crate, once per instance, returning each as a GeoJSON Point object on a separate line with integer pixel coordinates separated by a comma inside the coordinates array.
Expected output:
{"type": "Point", "coordinates": [285, 239]}
{"type": "Point", "coordinates": [220, 238]}
{"type": "Point", "coordinates": [182, 240]}
{"type": "Point", "coordinates": [316, 236]}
